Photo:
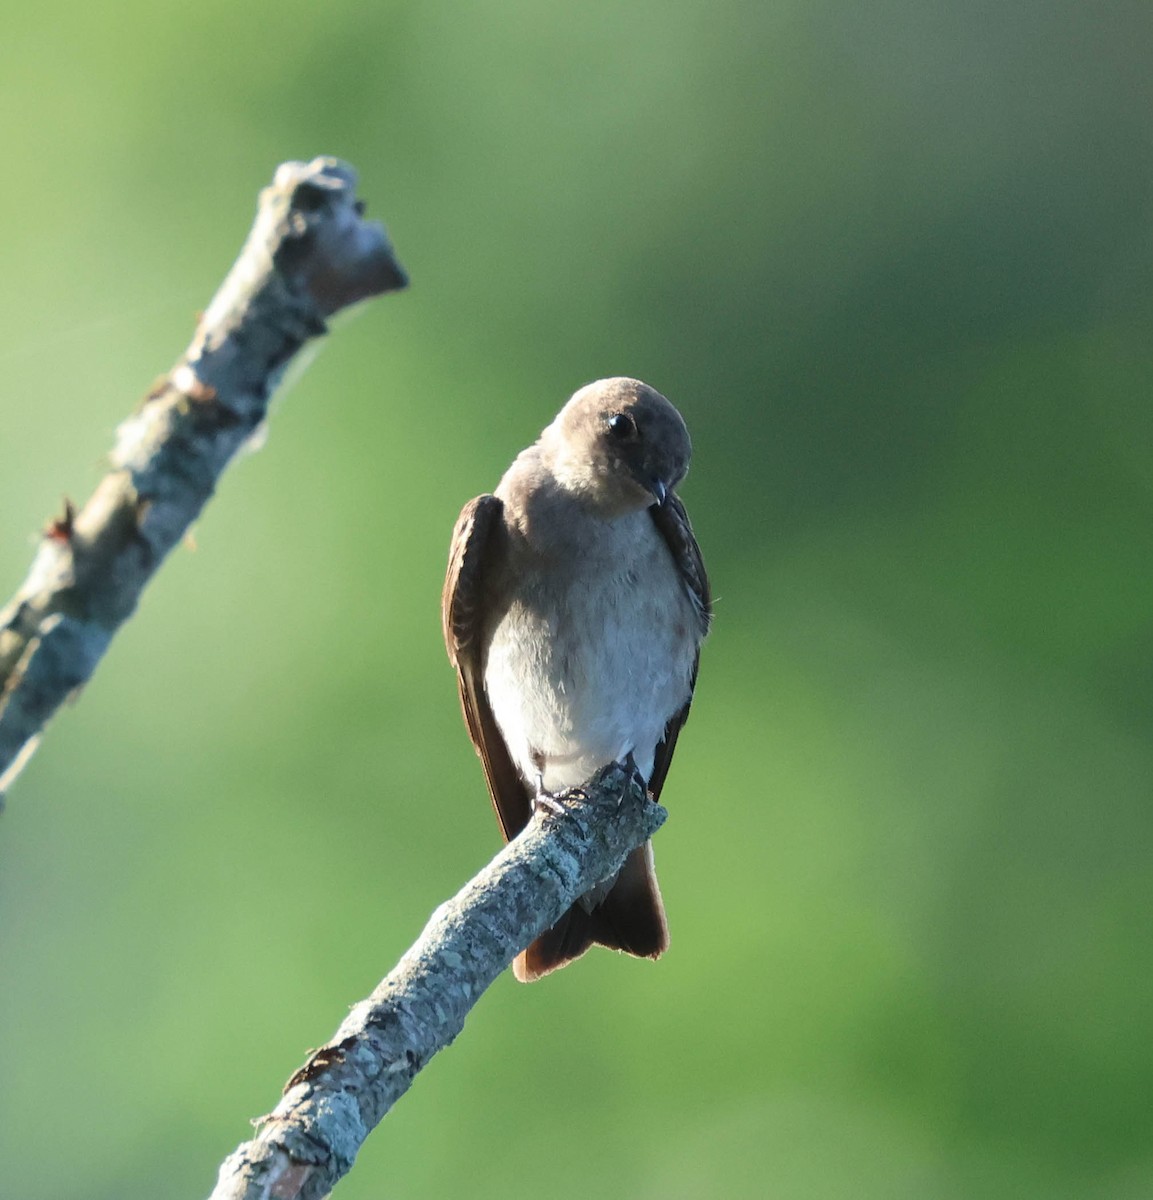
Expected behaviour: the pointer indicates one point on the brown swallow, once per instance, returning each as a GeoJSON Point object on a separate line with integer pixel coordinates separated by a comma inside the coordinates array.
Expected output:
{"type": "Point", "coordinates": [574, 608]}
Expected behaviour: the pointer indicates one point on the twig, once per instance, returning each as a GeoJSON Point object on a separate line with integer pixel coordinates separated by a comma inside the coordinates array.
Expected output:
{"type": "Point", "coordinates": [329, 1106]}
{"type": "Point", "coordinates": [309, 255]}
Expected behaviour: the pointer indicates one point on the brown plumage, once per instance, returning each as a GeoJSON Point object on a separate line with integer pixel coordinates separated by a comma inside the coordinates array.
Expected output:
{"type": "Point", "coordinates": [574, 608]}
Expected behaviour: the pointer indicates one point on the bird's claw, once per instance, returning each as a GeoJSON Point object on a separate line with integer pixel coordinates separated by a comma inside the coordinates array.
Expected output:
{"type": "Point", "coordinates": [548, 802]}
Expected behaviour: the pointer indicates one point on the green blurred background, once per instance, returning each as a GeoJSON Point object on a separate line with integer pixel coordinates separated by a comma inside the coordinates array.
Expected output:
{"type": "Point", "coordinates": [893, 263]}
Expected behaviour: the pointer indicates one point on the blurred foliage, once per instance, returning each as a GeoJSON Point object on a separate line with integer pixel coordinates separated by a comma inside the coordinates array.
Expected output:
{"type": "Point", "coordinates": [893, 263]}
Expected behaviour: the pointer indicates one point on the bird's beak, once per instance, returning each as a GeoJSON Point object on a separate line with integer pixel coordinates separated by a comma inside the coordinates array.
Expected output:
{"type": "Point", "coordinates": [659, 490]}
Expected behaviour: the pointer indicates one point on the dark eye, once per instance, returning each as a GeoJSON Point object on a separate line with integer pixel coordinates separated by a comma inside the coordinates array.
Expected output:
{"type": "Point", "coordinates": [622, 427]}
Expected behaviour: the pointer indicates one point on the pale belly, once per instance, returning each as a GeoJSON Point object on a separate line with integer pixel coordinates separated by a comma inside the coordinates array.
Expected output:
{"type": "Point", "coordinates": [578, 682]}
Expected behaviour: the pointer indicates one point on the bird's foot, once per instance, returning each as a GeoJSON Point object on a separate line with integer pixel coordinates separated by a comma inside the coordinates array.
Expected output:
{"type": "Point", "coordinates": [632, 772]}
{"type": "Point", "coordinates": [544, 799]}
{"type": "Point", "coordinates": [548, 802]}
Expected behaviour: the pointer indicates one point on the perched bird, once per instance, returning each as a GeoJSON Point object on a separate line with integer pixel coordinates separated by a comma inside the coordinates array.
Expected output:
{"type": "Point", "coordinates": [574, 608]}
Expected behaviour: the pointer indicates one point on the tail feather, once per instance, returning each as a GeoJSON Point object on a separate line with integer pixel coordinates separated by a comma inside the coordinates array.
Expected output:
{"type": "Point", "coordinates": [630, 918]}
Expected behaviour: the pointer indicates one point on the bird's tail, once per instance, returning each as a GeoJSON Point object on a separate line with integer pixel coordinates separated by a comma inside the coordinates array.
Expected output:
{"type": "Point", "coordinates": [631, 918]}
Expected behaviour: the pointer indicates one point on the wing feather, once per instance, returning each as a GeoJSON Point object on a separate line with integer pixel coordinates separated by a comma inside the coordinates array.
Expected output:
{"type": "Point", "coordinates": [672, 522]}
{"type": "Point", "coordinates": [463, 607]}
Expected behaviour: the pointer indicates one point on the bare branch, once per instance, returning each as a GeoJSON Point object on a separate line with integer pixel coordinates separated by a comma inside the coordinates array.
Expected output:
{"type": "Point", "coordinates": [309, 255]}
{"type": "Point", "coordinates": [329, 1106]}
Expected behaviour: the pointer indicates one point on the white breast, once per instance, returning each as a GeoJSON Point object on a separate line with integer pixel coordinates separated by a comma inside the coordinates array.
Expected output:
{"type": "Point", "coordinates": [592, 657]}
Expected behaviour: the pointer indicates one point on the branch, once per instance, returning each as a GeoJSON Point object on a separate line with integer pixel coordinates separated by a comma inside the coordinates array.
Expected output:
{"type": "Point", "coordinates": [344, 1089]}
{"type": "Point", "coordinates": [309, 255]}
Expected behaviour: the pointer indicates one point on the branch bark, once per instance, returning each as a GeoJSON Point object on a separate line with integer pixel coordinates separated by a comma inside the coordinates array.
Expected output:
{"type": "Point", "coordinates": [344, 1089]}
{"type": "Point", "coordinates": [309, 254]}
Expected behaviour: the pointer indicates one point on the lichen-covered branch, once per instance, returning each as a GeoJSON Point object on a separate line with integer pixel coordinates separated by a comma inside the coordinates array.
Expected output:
{"type": "Point", "coordinates": [329, 1106]}
{"type": "Point", "coordinates": [310, 254]}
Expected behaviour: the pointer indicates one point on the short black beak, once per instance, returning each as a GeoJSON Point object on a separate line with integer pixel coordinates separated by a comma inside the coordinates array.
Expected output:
{"type": "Point", "coordinates": [658, 489]}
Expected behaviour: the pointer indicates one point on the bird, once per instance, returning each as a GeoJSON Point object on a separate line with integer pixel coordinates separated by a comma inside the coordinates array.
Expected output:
{"type": "Point", "coordinates": [574, 608]}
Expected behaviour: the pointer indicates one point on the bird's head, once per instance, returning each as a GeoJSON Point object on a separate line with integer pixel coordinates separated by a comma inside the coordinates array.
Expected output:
{"type": "Point", "coordinates": [619, 445]}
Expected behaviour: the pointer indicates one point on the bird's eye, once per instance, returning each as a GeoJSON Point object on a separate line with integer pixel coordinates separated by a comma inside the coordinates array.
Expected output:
{"type": "Point", "coordinates": [622, 427]}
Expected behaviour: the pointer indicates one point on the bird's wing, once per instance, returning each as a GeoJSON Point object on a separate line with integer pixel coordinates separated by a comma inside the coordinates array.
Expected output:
{"type": "Point", "coordinates": [462, 610]}
{"type": "Point", "coordinates": [672, 523]}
